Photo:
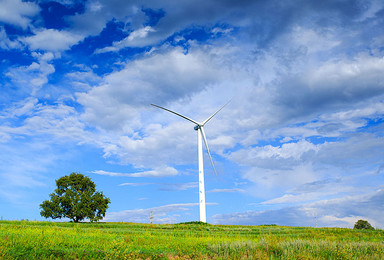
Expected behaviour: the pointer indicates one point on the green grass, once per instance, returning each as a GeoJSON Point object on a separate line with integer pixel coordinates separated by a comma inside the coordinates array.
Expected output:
{"type": "Point", "coordinates": [51, 240]}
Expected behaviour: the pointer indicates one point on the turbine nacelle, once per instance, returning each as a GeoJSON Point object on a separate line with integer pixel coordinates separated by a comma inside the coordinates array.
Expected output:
{"type": "Point", "coordinates": [197, 127]}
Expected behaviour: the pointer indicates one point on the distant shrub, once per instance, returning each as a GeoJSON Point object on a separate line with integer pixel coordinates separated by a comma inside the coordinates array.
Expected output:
{"type": "Point", "coordinates": [194, 223]}
{"type": "Point", "coordinates": [363, 224]}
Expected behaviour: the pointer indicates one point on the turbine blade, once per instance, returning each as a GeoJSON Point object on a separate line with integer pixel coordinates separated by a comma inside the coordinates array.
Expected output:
{"type": "Point", "coordinates": [193, 121]}
{"type": "Point", "coordinates": [209, 118]}
{"type": "Point", "coordinates": [206, 146]}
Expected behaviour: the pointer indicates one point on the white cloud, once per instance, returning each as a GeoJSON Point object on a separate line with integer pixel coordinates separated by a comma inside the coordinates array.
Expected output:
{"type": "Point", "coordinates": [302, 167]}
{"type": "Point", "coordinates": [98, 13]}
{"type": "Point", "coordinates": [287, 150]}
{"type": "Point", "coordinates": [6, 43]}
{"type": "Point", "coordinates": [218, 30]}
{"type": "Point", "coordinates": [347, 221]}
{"type": "Point", "coordinates": [367, 111]}
{"type": "Point", "coordinates": [31, 78]}
{"type": "Point", "coordinates": [82, 79]}
{"type": "Point", "coordinates": [127, 183]}
{"type": "Point", "coordinates": [273, 157]}
{"type": "Point", "coordinates": [137, 38]}
{"type": "Point", "coordinates": [52, 40]}
{"type": "Point", "coordinates": [166, 214]}
{"type": "Point", "coordinates": [314, 41]}
{"type": "Point", "coordinates": [183, 14]}
{"type": "Point", "coordinates": [159, 172]}
{"type": "Point", "coordinates": [222, 141]}
{"type": "Point", "coordinates": [360, 149]}
{"type": "Point", "coordinates": [332, 86]}
{"type": "Point", "coordinates": [159, 78]}
{"type": "Point", "coordinates": [269, 181]}
{"type": "Point", "coordinates": [161, 214]}
{"type": "Point", "coordinates": [59, 121]}
{"type": "Point", "coordinates": [297, 198]}
{"type": "Point", "coordinates": [178, 186]}
{"type": "Point", "coordinates": [17, 12]}
{"type": "Point", "coordinates": [162, 186]}
{"type": "Point", "coordinates": [22, 108]}
{"type": "Point", "coordinates": [225, 190]}
{"type": "Point", "coordinates": [288, 198]}
{"type": "Point", "coordinates": [342, 212]}
{"type": "Point", "coordinates": [329, 185]}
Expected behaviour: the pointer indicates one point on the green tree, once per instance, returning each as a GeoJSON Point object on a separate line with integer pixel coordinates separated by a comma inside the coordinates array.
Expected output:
{"type": "Point", "coordinates": [363, 224]}
{"type": "Point", "coordinates": [75, 198]}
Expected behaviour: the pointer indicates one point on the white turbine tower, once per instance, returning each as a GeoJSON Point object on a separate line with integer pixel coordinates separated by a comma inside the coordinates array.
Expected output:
{"type": "Point", "coordinates": [199, 127]}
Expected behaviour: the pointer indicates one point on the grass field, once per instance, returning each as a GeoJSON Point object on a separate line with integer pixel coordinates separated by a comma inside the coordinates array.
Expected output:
{"type": "Point", "coordinates": [50, 240]}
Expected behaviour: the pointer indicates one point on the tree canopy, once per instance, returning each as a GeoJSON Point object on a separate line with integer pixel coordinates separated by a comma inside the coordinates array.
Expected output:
{"type": "Point", "coordinates": [363, 224]}
{"type": "Point", "coordinates": [75, 198]}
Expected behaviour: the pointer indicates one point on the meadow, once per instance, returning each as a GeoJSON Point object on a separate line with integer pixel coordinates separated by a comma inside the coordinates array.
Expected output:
{"type": "Point", "coordinates": [53, 240]}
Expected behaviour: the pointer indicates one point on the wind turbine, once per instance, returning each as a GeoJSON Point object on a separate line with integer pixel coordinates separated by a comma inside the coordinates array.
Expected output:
{"type": "Point", "coordinates": [199, 127]}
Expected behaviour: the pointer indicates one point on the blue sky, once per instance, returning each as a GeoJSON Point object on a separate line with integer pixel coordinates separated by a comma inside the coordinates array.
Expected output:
{"type": "Point", "coordinates": [301, 142]}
